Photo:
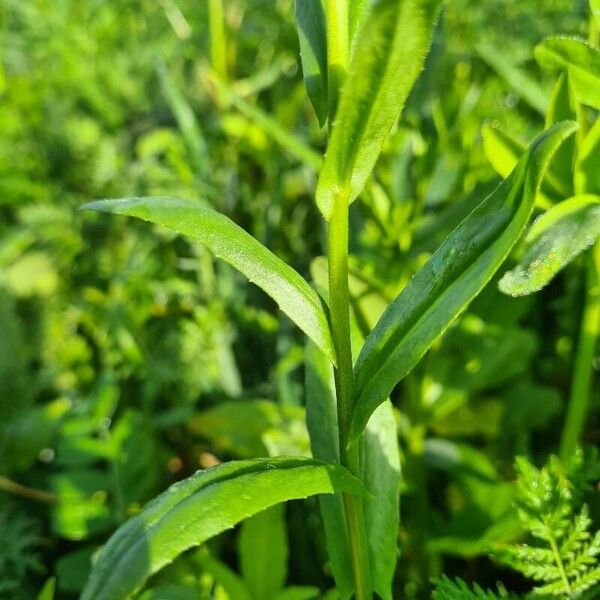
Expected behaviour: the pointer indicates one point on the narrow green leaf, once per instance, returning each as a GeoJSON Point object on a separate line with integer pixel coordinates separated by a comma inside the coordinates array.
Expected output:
{"type": "Point", "coordinates": [47, 592]}
{"type": "Point", "coordinates": [200, 507]}
{"type": "Point", "coordinates": [554, 240]}
{"type": "Point", "coordinates": [501, 149]}
{"type": "Point", "coordinates": [229, 580]}
{"type": "Point", "coordinates": [562, 108]}
{"type": "Point", "coordinates": [581, 60]}
{"type": "Point", "coordinates": [298, 593]}
{"type": "Point", "coordinates": [186, 120]}
{"type": "Point", "coordinates": [389, 55]}
{"type": "Point", "coordinates": [452, 277]}
{"type": "Point", "coordinates": [230, 242]}
{"type": "Point", "coordinates": [358, 11]}
{"type": "Point", "coordinates": [516, 78]}
{"type": "Point", "coordinates": [312, 33]}
{"type": "Point", "coordinates": [381, 475]}
{"type": "Point", "coordinates": [263, 548]}
{"type": "Point", "coordinates": [587, 166]}
{"type": "Point", "coordinates": [504, 151]}
{"type": "Point", "coordinates": [321, 421]}
{"type": "Point", "coordinates": [271, 127]}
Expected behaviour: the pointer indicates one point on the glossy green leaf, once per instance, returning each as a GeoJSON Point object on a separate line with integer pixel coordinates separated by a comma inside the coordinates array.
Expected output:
{"type": "Point", "coordinates": [200, 507]}
{"type": "Point", "coordinates": [452, 277]}
{"type": "Point", "coordinates": [587, 166]}
{"type": "Point", "coordinates": [263, 549]}
{"type": "Point", "coordinates": [230, 242]}
{"type": "Point", "coordinates": [501, 149]}
{"type": "Point", "coordinates": [554, 240]}
{"type": "Point", "coordinates": [311, 22]}
{"type": "Point", "coordinates": [581, 60]}
{"type": "Point", "coordinates": [389, 55]}
{"type": "Point", "coordinates": [516, 78]}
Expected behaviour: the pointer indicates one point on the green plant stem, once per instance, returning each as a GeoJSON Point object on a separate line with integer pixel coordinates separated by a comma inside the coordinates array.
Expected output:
{"type": "Point", "coordinates": [339, 306]}
{"type": "Point", "coordinates": [584, 359]}
{"type": "Point", "coordinates": [218, 49]}
{"type": "Point", "coordinates": [337, 51]}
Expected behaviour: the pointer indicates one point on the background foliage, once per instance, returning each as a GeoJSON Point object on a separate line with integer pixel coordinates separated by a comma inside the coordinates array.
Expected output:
{"type": "Point", "coordinates": [129, 358]}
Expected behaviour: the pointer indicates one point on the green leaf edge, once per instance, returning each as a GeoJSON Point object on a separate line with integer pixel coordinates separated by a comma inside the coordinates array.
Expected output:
{"type": "Point", "coordinates": [328, 479]}
{"type": "Point", "coordinates": [316, 327]}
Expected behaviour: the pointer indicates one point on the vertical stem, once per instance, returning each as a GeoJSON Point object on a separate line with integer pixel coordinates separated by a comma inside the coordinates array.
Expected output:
{"type": "Point", "coordinates": [586, 348]}
{"type": "Point", "coordinates": [337, 51]}
{"type": "Point", "coordinates": [339, 305]}
{"type": "Point", "coordinates": [218, 48]}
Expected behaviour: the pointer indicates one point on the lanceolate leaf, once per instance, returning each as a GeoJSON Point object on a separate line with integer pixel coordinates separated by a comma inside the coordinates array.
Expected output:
{"type": "Point", "coordinates": [518, 79]}
{"type": "Point", "coordinates": [502, 150]}
{"type": "Point", "coordinates": [200, 507]}
{"type": "Point", "coordinates": [389, 55]}
{"type": "Point", "coordinates": [235, 246]}
{"type": "Point", "coordinates": [553, 241]}
{"type": "Point", "coordinates": [263, 549]}
{"type": "Point", "coordinates": [381, 475]}
{"type": "Point", "coordinates": [358, 11]}
{"type": "Point", "coordinates": [580, 60]}
{"type": "Point", "coordinates": [321, 420]}
{"type": "Point", "coordinates": [587, 167]}
{"type": "Point", "coordinates": [312, 33]}
{"type": "Point", "coordinates": [452, 277]}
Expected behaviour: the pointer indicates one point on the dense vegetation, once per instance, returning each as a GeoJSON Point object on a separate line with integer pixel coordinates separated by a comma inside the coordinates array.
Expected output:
{"type": "Point", "coordinates": [131, 356]}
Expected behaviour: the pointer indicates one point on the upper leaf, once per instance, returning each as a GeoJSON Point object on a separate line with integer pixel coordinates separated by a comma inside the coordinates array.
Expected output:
{"type": "Point", "coordinates": [312, 33]}
{"type": "Point", "coordinates": [237, 247]}
{"type": "Point", "coordinates": [389, 55]}
{"type": "Point", "coordinates": [200, 507]}
{"type": "Point", "coordinates": [553, 241]}
{"type": "Point", "coordinates": [452, 277]}
{"type": "Point", "coordinates": [581, 60]}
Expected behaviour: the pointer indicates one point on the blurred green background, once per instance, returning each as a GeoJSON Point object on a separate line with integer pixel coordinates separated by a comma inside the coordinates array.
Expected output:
{"type": "Point", "coordinates": [129, 358]}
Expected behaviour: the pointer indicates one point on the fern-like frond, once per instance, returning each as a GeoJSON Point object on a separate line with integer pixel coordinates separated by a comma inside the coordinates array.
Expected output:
{"type": "Point", "coordinates": [563, 557]}
{"type": "Point", "coordinates": [457, 589]}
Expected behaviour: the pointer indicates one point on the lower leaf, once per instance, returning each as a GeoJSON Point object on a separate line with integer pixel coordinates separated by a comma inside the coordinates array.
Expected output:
{"type": "Point", "coordinates": [200, 507]}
